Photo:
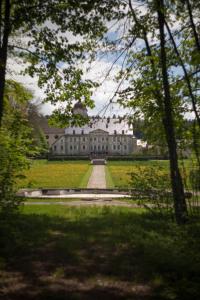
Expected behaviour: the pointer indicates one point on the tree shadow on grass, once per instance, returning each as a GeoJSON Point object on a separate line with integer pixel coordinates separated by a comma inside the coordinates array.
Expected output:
{"type": "Point", "coordinates": [110, 254]}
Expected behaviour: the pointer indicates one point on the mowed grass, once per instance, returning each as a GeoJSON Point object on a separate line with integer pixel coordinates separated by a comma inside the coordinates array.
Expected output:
{"type": "Point", "coordinates": [55, 174]}
{"type": "Point", "coordinates": [118, 172]}
{"type": "Point", "coordinates": [58, 252]}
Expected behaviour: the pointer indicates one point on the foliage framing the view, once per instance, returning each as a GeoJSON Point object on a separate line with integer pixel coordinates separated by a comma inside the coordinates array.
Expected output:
{"type": "Point", "coordinates": [16, 144]}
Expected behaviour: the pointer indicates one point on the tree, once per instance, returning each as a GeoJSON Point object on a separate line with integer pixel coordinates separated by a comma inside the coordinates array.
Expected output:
{"type": "Point", "coordinates": [176, 180]}
{"type": "Point", "coordinates": [15, 143]}
{"type": "Point", "coordinates": [34, 119]}
{"type": "Point", "coordinates": [150, 70]}
{"type": "Point", "coordinates": [45, 24]}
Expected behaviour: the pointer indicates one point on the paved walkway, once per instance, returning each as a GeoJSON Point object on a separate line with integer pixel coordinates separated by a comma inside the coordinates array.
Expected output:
{"type": "Point", "coordinates": [97, 178]}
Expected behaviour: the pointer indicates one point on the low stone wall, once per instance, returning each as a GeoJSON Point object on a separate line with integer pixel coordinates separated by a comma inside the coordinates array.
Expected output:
{"type": "Point", "coordinates": [41, 192]}
{"type": "Point", "coordinates": [134, 193]}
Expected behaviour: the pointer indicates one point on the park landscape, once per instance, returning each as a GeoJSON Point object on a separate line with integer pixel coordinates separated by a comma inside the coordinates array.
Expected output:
{"type": "Point", "coordinates": [54, 251]}
{"type": "Point", "coordinates": [137, 59]}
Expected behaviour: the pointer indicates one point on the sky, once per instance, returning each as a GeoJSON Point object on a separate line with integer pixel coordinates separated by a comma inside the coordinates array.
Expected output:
{"type": "Point", "coordinates": [95, 71]}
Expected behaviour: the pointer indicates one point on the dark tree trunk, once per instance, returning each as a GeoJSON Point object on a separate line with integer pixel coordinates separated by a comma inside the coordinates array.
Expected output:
{"type": "Point", "coordinates": [197, 41]}
{"type": "Point", "coordinates": [176, 180]}
{"type": "Point", "coordinates": [3, 54]}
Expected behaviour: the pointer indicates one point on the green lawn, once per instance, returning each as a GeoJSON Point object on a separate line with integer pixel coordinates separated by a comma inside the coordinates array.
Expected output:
{"type": "Point", "coordinates": [57, 174]}
{"type": "Point", "coordinates": [118, 172]}
{"type": "Point", "coordinates": [58, 252]}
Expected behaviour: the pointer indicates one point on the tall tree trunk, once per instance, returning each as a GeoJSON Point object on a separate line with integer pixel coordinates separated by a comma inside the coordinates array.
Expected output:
{"type": "Point", "coordinates": [189, 8]}
{"type": "Point", "coordinates": [167, 119]}
{"type": "Point", "coordinates": [176, 180]}
{"type": "Point", "coordinates": [3, 54]}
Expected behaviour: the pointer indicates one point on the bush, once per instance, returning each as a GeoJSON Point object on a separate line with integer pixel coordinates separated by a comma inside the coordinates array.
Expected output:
{"type": "Point", "coordinates": [152, 185]}
{"type": "Point", "coordinates": [15, 143]}
{"type": "Point", "coordinates": [15, 147]}
{"type": "Point", "coordinates": [195, 179]}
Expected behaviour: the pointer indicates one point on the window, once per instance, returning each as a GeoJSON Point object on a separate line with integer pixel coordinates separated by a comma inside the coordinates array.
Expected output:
{"type": "Point", "coordinates": [115, 132]}
{"type": "Point", "coordinates": [47, 137]}
{"type": "Point", "coordinates": [103, 147]}
{"type": "Point", "coordinates": [70, 139]}
{"type": "Point", "coordinates": [99, 147]}
{"type": "Point", "coordinates": [56, 136]}
{"type": "Point", "coordinates": [102, 138]}
{"type": "Point", "coordinates": [61, 141]}
{"type": "Point", "coordinates": [125, 147]}
{"type": "Point", "coordinates": [61, 147]}
{"type": "Point", "coordinates": [114, 138]}
{"type": "Point", "coordinates": [114, 147]}
{"type": "Point", "coordinates": [122, 131]}
{"type": "Point", "coordinates": [94, 139]}
{"type": "Point", "coordinates": [82, 131]}
{"type": "Point", "coordinates": [118, 147]}
{"type": "Point", "coordinates": [83, 139]}
{"type": "Point", "coordinates": [71, 147]}
{"type": "Point", "coordinates": [54, 148]}
{"type": "Point", "coordinates": [83, 147]}
{"type": "Point", "coordinates": [106, 125]}
{"type": "Point", "coordinates": [74, 132]}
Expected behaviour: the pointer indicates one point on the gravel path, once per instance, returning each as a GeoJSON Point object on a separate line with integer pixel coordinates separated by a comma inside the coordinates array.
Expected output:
{"type": "Point", "coordinates": [97, 178]}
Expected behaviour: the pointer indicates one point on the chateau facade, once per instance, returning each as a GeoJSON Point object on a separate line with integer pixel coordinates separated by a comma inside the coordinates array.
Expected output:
{"type": "Point", "coordinates": [101, 137]}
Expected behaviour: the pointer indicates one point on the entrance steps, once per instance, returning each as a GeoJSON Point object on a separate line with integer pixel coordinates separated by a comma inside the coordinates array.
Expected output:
{"type": "Point", "coordinates": [98, 161]}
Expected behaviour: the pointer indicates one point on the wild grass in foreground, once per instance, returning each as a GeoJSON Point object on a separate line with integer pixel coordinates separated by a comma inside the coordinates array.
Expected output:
{"type": "Point", "coordinates": [57, 252]}
{"type": "Point", "coordinates": [53, 174]}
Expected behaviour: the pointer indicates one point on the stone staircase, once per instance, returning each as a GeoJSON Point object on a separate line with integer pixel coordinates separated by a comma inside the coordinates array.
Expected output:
{"type": "Point", "coordinates": [98, 161]}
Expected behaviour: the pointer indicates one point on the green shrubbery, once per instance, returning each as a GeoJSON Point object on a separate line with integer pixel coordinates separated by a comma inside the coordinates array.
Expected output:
{"type": "Point", "coordinates": [195, 179]}
{"type": "Point", "coordinates": [15, 147]}
{"type": "Point", "coordinates": [152, 185]}
{"type": "Point", "coordinates": [16, 143]}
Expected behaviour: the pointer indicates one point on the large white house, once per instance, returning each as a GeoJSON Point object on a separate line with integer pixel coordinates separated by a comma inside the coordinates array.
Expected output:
{"type": "Point", "coordinates": [100, 137]}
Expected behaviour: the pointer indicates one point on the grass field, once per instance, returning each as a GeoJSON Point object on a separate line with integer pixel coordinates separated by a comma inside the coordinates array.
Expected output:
{"type": "Point", "coordinates": [118, 172]}
{"type": "Point", "coordinates": [54, 174]}
{"type": "Point", "coordinates": [57, 252]}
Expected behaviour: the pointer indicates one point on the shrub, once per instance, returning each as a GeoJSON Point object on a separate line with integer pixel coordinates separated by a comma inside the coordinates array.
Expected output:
{"type": "Point", "coordinates": [195, 179]}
